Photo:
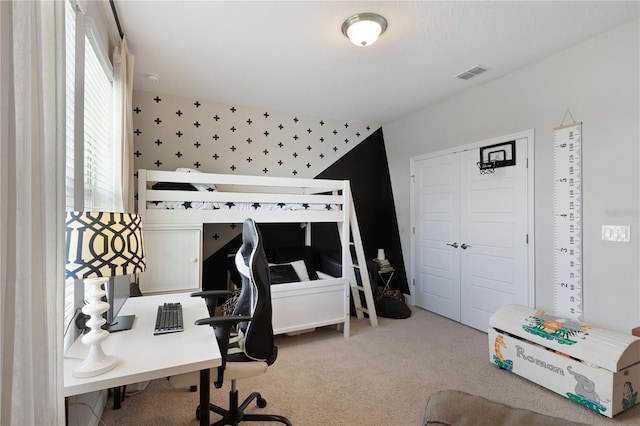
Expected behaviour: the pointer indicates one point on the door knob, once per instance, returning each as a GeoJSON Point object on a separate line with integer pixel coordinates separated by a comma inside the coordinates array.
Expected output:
{"type": "Point", "coordinates": [454, 245]}
{"type": "Point", "coordinates": [464, 246]}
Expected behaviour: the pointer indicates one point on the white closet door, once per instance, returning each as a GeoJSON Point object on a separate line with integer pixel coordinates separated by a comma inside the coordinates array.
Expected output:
{"type": "Point", "coordinates": [493, 228]}
{"type": "Point", "coordinates": [470, 248]}
{"type": "Point", "coordinates": [436, 198]}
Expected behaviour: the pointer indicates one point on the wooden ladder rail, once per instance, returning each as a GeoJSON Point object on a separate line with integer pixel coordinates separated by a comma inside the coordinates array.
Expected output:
{"type": "Point", "coordinates": [350, 236]}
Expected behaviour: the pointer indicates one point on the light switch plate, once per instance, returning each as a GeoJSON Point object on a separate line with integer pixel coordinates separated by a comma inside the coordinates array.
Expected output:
{"type": "Point", "coordinates": [619, 233]}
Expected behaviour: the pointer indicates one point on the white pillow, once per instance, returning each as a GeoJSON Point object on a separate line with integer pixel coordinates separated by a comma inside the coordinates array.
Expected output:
{"type": "Point", "coordinates": [299, 267]}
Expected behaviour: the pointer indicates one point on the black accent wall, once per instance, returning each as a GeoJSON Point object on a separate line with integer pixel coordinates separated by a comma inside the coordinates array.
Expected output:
{"type": "Point", "coordinates": [367, 168]}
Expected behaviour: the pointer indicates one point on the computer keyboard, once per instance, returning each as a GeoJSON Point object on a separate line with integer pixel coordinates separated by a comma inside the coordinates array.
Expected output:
{"type": "Point", "coordinates": [169, 319]}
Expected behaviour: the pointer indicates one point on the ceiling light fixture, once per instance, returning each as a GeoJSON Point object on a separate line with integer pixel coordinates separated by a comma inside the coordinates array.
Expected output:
{"type": "Point", "coordinates": [154, 78]}
{"type": "Point", "coordinates": [363, 29]}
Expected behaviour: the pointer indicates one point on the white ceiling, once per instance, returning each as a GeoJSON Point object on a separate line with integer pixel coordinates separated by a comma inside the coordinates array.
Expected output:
{"type": "Point", "coordinates": [292, 57]}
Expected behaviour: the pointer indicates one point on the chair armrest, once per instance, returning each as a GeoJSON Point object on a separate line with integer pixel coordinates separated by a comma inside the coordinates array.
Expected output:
{"type": "Point", "coordinates": [211, 293]}
{"type": "Point", "coordinates": [223, 321]}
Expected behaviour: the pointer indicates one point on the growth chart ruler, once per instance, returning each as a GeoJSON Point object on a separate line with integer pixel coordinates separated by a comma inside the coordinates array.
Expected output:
{"type": "Point", "coordinates": [567, 224]}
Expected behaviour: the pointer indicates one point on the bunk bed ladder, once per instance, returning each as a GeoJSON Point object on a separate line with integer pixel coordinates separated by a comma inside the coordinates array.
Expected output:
{"type": "Point", "coordinates": [355, 241]}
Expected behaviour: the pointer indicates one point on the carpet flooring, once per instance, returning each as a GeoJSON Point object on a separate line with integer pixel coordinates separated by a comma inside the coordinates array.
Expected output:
{"type": "Point", "coordinates": [379, 376]}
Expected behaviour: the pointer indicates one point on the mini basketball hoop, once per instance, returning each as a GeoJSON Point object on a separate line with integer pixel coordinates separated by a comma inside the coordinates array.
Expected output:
{"type": "Point", "coordinates": [495, 156]}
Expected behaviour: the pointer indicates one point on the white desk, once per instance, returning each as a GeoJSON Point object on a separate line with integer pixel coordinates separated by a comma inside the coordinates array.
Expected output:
{"type": "Point", "coordinates": [143, 356]}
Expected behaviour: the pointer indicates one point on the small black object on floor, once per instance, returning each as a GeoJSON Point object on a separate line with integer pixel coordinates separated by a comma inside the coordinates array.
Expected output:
{"type": "Point", "coordinates": [391, 304]}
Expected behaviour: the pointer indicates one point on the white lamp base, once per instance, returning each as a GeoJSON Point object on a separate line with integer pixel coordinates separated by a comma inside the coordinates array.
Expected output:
{"type": "Point", "coordinates": [97, 362]}
{"type": "Point", "coordinates": [95, 365]}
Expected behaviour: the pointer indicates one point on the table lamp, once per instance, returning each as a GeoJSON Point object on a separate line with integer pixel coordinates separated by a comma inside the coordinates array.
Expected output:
{"type": "Point", "coordinates": [100, 245]}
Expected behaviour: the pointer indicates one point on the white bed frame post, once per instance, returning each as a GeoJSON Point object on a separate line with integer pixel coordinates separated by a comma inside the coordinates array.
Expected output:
{"type": "Point", "coordinates": [142, 195]}
{"type": "Point", "coordinates": [350, 236]}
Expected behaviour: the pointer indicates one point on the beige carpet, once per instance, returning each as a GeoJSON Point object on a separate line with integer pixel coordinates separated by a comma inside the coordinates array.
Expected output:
{"type": "Point", "coordinates": [379, 376]}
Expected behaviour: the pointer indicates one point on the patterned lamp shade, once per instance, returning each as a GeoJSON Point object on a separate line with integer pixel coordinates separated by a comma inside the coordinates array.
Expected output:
{"type": "Point", "coordinates": [101, 244]}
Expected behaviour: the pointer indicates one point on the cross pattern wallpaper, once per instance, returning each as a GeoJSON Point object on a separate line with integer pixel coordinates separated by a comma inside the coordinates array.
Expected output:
{"type": "Point", "coordinates": [172, 132]}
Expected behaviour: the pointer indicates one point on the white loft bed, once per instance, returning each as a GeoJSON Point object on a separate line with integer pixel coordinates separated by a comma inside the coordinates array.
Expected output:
{"type": "Point", "coordinates": [296, 306]}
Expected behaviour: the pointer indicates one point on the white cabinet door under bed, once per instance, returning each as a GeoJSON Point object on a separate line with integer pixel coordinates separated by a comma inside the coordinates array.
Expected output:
{"type": "Point", "coordinates": [173, 259]}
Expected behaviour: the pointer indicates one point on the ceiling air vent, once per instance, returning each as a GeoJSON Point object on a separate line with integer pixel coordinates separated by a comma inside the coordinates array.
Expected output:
{"type": "Point", "coordinates": [470, 73]}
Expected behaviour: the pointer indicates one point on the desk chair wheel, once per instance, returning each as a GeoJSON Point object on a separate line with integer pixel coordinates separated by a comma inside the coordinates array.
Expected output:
{"type": "Point", "coordinates": [261, 402]}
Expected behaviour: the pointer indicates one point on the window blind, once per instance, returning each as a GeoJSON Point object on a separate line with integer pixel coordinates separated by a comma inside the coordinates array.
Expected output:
{"type": "Point", "coordinates": [70, 45]}
{"type": "Point", "coordinates": [99, 152]}
{"type": "Point", "coordinates": [96, 158]}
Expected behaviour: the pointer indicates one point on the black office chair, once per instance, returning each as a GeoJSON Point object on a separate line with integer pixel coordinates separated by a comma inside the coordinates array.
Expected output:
{"type": "Point", "coordinates": [252, 350]}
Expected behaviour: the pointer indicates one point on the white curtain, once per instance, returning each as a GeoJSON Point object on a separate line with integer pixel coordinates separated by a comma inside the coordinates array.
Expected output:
{"type": "Point", "coordinates": [32, 214]}
{"type": "Point", "coordinates": [123, 128]}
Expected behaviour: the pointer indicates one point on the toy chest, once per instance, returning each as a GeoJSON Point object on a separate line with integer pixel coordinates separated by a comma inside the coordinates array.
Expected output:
{"type": "Point", "coordinates": [597, 368]}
